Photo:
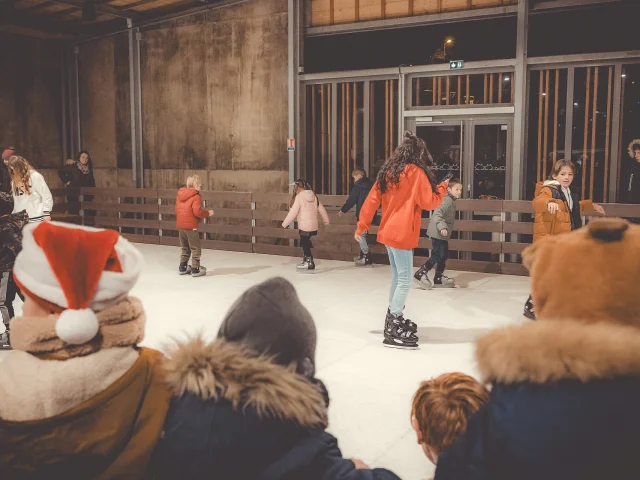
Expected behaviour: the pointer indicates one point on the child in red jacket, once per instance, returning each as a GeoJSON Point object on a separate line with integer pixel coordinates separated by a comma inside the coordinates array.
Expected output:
{"type": "Point", "coordinates": [405, 186]}
{"type": "Point", "coordinates": [189, 211]}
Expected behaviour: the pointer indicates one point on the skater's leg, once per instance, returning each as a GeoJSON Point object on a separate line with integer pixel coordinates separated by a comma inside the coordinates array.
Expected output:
{"type": "Point", "coordinates": [305, 243]}
{"type": "Point", "coordinates": [394, 276]}
{"type": "Point", "coordinates": [12, 290]}
{"type": "Point", "coordinates": [184, 243]}
{"type": "Point", "coordinates": [194, 245]}
{"type": "Point", "coordinates": [4, 286]}
{"type": "Point", "coordinates": [403, 260]}
{"type": "Point", "coordinates": [364, 246]}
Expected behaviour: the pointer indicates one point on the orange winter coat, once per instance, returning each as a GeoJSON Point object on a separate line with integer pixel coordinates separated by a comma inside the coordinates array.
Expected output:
{"type": "Point", "coordinates": [189, 209]}
{"type": "Point", "coordinates": [402, 207]}
{"type": "Point", "coordinates": [565, 219]}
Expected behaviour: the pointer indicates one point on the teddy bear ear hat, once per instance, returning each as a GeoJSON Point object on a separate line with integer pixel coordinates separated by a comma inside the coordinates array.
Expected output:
{"type": "Point", "coordinates": [75, 271]}
{"type": "Point", "coordinates": [590, 275]}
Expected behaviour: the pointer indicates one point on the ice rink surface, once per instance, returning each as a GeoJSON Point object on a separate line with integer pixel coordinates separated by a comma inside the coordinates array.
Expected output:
{"type": "Point", "coordinates": [370, 385]}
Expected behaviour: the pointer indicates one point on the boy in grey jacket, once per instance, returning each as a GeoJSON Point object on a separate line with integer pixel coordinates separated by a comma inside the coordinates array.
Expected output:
{"type": "Point", "coordinates": [439, 230]}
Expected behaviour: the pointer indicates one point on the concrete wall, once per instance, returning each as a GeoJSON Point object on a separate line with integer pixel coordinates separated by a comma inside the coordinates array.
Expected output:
{"type": "Point", "coordinates": [214, 101]}
{"type": "Point", "coordinates": [105, 110]}
{"type": "Point", "coordinates": [30, 98]}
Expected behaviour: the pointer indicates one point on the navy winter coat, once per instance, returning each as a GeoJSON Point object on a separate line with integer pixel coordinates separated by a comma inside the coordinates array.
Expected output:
{"type": "Point", "coordinates": [564, 406]}
{"type": "Point", "coordinates": [244, 418]}
{"type": "Point", "coordinates": [358, 195]}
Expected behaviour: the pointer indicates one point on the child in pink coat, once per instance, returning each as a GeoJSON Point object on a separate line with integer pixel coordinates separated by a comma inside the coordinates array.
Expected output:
{"type": "Point", "coordinates": [305, 207]}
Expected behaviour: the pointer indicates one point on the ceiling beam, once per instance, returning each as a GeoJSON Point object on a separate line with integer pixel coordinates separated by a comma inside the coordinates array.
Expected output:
{"type": "Point", "coordinates": [100, 8]}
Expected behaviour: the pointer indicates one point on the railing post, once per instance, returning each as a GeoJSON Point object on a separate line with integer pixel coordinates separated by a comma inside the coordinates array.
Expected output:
{"type": "Point", "coordinates": [253, 222]}
{"type": "Point", "coordinates": [159, 200]}
{"type": "Point", "coordinates": [503, 236]}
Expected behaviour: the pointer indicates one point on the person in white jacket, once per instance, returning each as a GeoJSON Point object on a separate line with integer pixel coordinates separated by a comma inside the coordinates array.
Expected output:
{"type": "Point", "coordinates": [30, 191]}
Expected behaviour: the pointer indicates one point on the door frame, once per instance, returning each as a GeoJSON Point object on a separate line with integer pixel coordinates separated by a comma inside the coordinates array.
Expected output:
{"type": "Point", "coordinates": [467, 125]}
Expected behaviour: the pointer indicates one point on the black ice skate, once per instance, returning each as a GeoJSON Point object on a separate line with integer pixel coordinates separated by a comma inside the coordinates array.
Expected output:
{"type": "Point", "coordinates": [422, 280]}
{"type": "Point", "coordinates": [307, 265]}
{"type": "Point", "coordinates": [442, 281]}
{"type": "Point", "coordinates": [412, 327]}
{"type": "Point", "coordinates": [363, 260]}
{"type": "Point", "coordinates": [5, 341]}
{"type": "Point", "coordinates": [198, 272]}
{"type": "Point", "coordinates": [184, 269]}
{"type": "Point", "coordinates": [529, 311]}
{"type": "Point", "coordinates": [396, 334]}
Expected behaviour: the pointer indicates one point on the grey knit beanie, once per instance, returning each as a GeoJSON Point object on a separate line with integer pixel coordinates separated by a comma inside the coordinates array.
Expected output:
{"type": "Point", "coordinates": [269, 319]}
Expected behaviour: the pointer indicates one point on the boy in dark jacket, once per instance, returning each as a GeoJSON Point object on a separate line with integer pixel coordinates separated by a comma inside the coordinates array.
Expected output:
{"type": "Point", "coordinates": [439, 230]}
{"type": "Point", "coordinates": [248, 406]}
{"type": "Point", "coordinates": [361, 187]}
{"type": "Point", "coordinates": [560, 406]}
{"type": "Point", "coordinates": [11, 225]}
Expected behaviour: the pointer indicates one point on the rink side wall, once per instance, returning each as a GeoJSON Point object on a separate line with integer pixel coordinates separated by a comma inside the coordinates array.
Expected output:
{"type": "Point", "coordinates": [214, 101]}
{"type": "Point", "coordinates": [30, 92]}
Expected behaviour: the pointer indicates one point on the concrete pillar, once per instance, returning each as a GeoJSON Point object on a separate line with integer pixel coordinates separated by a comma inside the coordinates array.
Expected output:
{"type": "Point", "coordinates": [520, 100]}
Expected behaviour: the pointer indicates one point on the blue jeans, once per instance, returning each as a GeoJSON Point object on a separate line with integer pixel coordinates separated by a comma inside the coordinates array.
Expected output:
{"type": "Point", "coordinates": [364, 247]}
{"type": "Point", "coordinates": [401, 268]}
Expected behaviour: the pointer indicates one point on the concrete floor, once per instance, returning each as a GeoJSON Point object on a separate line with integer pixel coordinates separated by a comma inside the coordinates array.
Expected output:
{"type": "Point", "coordinates": [370, 386]}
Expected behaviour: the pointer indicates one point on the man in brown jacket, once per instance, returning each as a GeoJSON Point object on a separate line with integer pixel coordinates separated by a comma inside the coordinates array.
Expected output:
{"type": "Point", "coordinates": [79, 398]}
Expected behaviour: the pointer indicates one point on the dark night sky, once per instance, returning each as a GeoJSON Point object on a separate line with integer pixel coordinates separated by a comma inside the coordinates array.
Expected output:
{"type": "Point", "coordinates": [598, 29]}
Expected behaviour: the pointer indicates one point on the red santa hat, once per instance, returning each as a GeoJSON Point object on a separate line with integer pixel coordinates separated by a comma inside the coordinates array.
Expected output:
{"type": "Point", "coordinates": [75, 271]}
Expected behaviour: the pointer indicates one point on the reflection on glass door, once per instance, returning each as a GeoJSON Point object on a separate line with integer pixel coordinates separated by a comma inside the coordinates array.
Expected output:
{"type": "Point", "coordinates": [444, 142]}
{"type": "Point", "coordinates": [490, 162]}
{"type": "Point", "coordinates": [489, 154]}
{"type": "Point", "coordinates": [445, 145]}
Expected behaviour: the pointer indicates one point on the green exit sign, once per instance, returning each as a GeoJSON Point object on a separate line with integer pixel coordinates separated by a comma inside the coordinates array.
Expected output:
{"type": "Point", "coordinates": [456, 64]}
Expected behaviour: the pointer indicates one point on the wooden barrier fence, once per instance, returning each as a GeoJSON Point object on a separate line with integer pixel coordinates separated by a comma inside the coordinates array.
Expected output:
{"type": "Point", "coordinates": [489, 235]}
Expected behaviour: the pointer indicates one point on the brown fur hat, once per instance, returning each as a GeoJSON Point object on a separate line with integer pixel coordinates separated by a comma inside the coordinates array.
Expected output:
{"type": "Point", "coordinates": [589, 275]}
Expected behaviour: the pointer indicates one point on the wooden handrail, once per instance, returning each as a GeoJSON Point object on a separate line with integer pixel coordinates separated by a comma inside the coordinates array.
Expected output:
{"type": "Point", "coordinates": [251, 222]}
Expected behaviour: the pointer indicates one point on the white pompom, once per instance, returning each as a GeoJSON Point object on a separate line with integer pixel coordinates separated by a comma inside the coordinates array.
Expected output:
{"type": "Point", "coordinates": [77, 326]}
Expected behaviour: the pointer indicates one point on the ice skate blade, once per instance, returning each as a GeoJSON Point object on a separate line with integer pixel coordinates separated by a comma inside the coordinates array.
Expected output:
{"type": "Point", "coordinates": [362, 265]}
{"type": "Point", "coordinates": [444, 286]}
{"type": "Point", "coordinates": [390, 344]}
{"type": "Point", "coordinates": [421, 285]}
{"type": "Point", "coordinates": [305, 271]}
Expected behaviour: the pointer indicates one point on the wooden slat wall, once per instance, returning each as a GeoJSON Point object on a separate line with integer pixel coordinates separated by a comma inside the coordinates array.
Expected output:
{"type": "Point", "coordinates": [596, 120]}
{"type": "Point", "coordinates": [318, 159]}
{"type": "Point", "coordinates": [329, 12]}
{"type": "Point", "coordinates": [456, 89]}
{"type": "Point", "coordinates": [268, 210]}
{"type": "Point", "coordinates": [549, 105]}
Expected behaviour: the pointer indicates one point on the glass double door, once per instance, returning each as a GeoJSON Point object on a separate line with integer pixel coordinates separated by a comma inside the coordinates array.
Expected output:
{"type": "Point", "coordinates": [476, 151]}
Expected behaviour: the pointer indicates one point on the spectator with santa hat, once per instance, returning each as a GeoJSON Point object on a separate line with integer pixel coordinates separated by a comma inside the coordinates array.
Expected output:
{"type": "Point", "coordinates": [80, 399]}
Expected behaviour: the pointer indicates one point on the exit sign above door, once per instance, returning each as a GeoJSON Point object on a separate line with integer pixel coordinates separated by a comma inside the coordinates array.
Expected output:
{"type": "Point", "coordinates": [456, 64]}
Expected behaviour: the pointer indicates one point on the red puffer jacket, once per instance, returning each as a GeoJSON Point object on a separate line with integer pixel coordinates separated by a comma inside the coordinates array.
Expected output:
{"type": "Point", "coordinates": [189, 209]}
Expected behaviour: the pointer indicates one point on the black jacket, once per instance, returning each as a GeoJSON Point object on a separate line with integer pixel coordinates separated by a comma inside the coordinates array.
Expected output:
{"type": "Point", "coordinates": [245, 418]}
{"type": "Point", "coordinates": [11, 226]}
{"type": "Point", "coordinates": [71, 174]}
{"type": "Point", "coordinates": [358, 195]}
{"type": "Point", "coordinates": [632, 189]}
{"type": "Point", "coordinates": [558, 410]}
{"type": "Point", "coordinates": [5, 179]}
{"type": "Point", "coordinates": [576, 215]}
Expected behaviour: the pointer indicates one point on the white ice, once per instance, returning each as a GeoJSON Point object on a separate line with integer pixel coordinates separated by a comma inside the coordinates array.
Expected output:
{"type": "Point", "coordinates": [370, 386]}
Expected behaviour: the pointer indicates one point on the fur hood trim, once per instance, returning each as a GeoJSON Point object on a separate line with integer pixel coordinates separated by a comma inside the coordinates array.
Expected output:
{"type": "Point", "coordinates": [551, 350]}
{"type": "Point", "coordinates": [224, 370]}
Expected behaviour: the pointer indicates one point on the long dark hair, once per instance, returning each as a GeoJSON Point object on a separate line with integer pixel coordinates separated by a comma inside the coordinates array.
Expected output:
{"type": "Point", "coordinates": [412, 151]}
{"type": "Point", "coordinates": [298, 184]}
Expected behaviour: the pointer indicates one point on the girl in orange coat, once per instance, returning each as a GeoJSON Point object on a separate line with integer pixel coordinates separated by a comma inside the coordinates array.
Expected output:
{"type": "Point", "coordinates": [405, 186]}
{"type": "Point", "coordinates": [557, 209]}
